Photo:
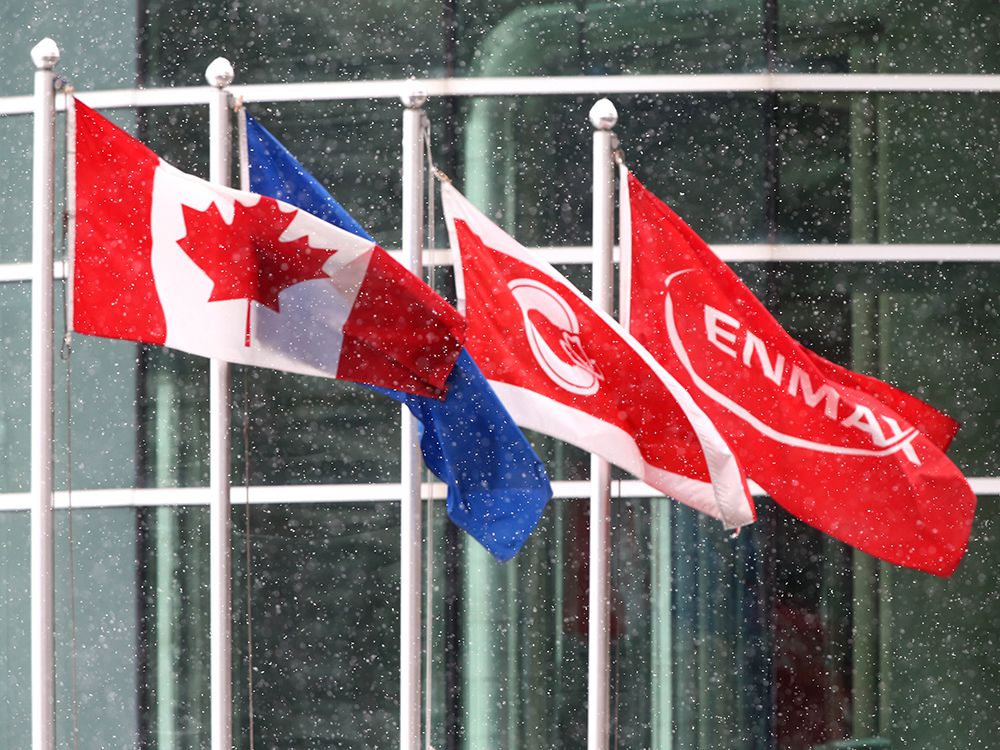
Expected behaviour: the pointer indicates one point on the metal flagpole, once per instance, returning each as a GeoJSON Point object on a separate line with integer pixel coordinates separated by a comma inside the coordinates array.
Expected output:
{"type": "Point", "coordinates": [219, 75]}
{"type": "Point", "coordinates": [45, 55]}
{"type": "Point", "coordinates": [410, 531]}
{"type": "Point", "coordinates": [603, 117]}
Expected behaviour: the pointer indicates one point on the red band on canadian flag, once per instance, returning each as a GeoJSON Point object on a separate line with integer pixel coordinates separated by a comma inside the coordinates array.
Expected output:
{"type": "Point", "coordinates": [418, 339]}
{"type": "Point", "coordinates": [115, 294]}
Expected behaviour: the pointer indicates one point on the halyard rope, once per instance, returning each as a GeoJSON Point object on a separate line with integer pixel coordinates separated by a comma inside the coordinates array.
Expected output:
{"type": "Point", "coordinates": [429, 585]}
{"type": "Point", "coordinates": [65, 353]}
{"type": "Point", "coordinates": [241, 120]}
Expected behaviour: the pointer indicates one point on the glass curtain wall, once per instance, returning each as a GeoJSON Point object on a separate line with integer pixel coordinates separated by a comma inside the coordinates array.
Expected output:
{"type": "Point", "coordinates": [779, 638]}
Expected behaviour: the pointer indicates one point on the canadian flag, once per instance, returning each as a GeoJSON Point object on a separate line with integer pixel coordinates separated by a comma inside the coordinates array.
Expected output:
{"type": "Point", "coordinates": [163, 257]}
{"type": "Point", "coordinates": [564, 368]}
{"type": "Point", "coordinates": [846, 453]}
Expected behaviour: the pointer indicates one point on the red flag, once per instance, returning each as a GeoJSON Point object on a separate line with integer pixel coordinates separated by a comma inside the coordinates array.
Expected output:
{"type": "Point", "coordinates": [846, 453]}
{"type": "Point", "coordinates": [565, 369]}
{"type": "Point", "coordinates": [163, 257]}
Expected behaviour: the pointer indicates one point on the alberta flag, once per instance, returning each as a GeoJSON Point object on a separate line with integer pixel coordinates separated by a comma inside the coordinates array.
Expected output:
{"type": "Point", "coordinates": [497, 487]}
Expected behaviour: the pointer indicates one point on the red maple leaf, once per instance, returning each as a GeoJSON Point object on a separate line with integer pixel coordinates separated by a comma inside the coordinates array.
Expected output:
{"type": "Point", "coordinates": [246, 259]}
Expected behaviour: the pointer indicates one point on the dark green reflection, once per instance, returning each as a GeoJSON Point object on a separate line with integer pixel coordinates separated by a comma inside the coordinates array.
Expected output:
{"type": "Point", "coordinates": [324, 591]}
{"type": "Point", "coordinates": [309, 430]}
{"type": "Point", "coordinates": [527, 162]}
{"type": "Point", "coordinates": [174, 628]}
{"type": "Point", "coordinates": [326, 632]}
{"type": "Point", "coordinates": [308, 41]}
{"type": "Point", "coordinates": [299, 41]}
{"type": "Point", "coordinates": [299, 429]}
{"type": "Point", "coordinates": [887, 168]}
{"type": "Point", "coordinates": [889, 37]}
{"type": "Point", "coordinates": [523, 661]}
{"type": "Point", "coordinates": [353, 149]}
{"type": "Point", "coordinates": [690, 645]}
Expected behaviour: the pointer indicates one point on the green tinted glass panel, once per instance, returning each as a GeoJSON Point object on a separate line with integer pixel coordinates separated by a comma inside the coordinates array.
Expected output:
{"type": "Point", "coordinates": [306, 430]}
{"type": "Point", "coordinates": [522, 652]}
{"type": "Point", "coordinates": [298, 41]}
{"type": "Point", "coordinates": [178, 135]}
{"type": "Point", "coordinates": [100, 438]}
{"type": "Point", "coordinates": [299, 429]}
{"type": "Point", "coordinates": [15, 622]}
{"type": "Point", "coordinates": [174, 429]}
{"type": "Point", "coordinates": [939, 648]}
{"type": "Point", "coordinates": [325, 598]}
{"type": "Point", "coordinates": [527, 162]}
{"type": "Point", "coordinates": [15, 384]}
{"type": "Point", "coordinates": [97, 51]}
{"type": "Point", "coordinates": [689, 656]}
{"type": "Point", "coordinates": [173, 626]}
{"type": "Point", "coordinates": [15, 192]}
{"type": "Point", "coordinates": [97, 46]}
{"type": "Point", "coordinates": [602, 38]}
{"type": "Point", "coordinates": [888, 168]}
{"type": "Point", "coordinates": [884, 36]}
{"type": "Point", "coordinates": [95, 606]}
{"type": "Point", "coordinates": [309, 41]}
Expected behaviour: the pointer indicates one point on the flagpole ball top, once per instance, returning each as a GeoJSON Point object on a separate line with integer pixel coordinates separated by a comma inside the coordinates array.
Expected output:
{"type": "Point", "coordinates": [414, 97]}
{"type": "Point", "coordinates": [219, 73]}
{"type": "Point", "coordinates": [45, 54]}
{"type": "Point", "coordinates": [603, 115]}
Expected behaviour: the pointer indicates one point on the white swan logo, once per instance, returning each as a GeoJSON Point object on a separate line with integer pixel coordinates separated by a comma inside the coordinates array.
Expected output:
{"type": "Point", "coordinates": [725, 332]}
{"type": "Point", "coordinates": [570, 367]}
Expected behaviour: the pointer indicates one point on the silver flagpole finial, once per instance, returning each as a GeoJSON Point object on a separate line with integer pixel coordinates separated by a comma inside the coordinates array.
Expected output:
{"type": "Point", "coordinates": [415, 96]}
{"type": "Point", "coordinates": [603, 115]}
{"type": "Point", "coordinates": [219, 73]}
{"type": "Point", "coordinates": [45, 54]}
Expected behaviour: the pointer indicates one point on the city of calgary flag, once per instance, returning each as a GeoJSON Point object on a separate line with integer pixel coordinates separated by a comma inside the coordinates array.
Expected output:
{"type": "Point", "coordinates": [846, 453]}
{"type": "Point", "coordinates": [564, 368]}
{"type": "Point", "coordinates": [163, 257]}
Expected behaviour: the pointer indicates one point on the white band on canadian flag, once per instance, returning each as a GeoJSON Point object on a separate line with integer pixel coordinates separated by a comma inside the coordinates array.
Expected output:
{"type": "Point", "coordinates": [293, 339]}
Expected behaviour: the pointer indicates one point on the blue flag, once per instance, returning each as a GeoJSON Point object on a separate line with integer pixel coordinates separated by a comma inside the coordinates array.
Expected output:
{"type": "Point", "coordinates": [497, 486]}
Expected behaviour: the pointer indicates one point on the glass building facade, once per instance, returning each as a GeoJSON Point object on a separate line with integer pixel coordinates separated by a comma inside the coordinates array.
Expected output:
{"type": "Point", "coordinates": [777, 639]}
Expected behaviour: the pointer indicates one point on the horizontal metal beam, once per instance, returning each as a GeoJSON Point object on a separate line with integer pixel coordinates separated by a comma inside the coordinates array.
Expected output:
{"type": "Point", "coordinates": [708, 83]}
{"type": "Point", "coordinates": [751, 253]}
{"type": "Point", "coordinates": [22, 271]}
{"type": "Point", "coordinates": [767, 253]}
{"type": "Point", "coordinates": [339, 493]}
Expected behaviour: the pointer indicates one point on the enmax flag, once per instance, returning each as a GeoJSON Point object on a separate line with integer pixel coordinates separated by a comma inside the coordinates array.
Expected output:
{"type": "Point", "coordinates": [497, 486]}
{"type": "Point", "coordinates": [564, 368]}
{"type": "Point", "coordinates": [163, 257]}
{"type": "Point", "coordinates": [846, 453]}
